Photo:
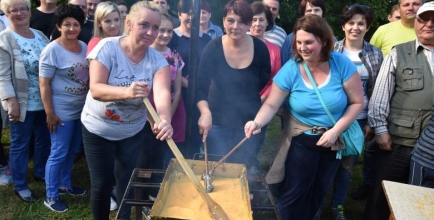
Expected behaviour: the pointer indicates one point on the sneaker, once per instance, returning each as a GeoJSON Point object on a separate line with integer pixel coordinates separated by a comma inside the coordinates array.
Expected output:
{"type": "Point", "coordinates": [56, 204]}
{"type": "Point", "coordinates": [5, 175]}
{"type": "Point", "coordinates": [146, 212]}
{"type": "Point", "coordinates": [73, 191]}
{"type": "Point", "coordinates": [113, 204]}
{"type": "Point", "coordinates": [338, 213]}
{"type": "Point", "coordinates": [362, 192]}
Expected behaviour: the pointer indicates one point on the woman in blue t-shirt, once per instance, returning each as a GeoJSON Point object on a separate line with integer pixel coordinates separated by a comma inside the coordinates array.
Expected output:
{"type": "Point", "coordinates": [309, 165]}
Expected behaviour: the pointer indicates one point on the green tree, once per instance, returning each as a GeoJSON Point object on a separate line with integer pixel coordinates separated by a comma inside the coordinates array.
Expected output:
{"type": "Point", "coordinates": [289, 13]}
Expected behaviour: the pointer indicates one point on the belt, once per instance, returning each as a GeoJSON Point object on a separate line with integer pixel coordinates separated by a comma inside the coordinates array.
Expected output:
{"type": "Point", "coordinates": [317, 130]}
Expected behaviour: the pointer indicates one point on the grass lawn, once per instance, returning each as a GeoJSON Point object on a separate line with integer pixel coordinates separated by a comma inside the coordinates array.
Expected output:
{"type": "Point", "coordinates": [79, 207]}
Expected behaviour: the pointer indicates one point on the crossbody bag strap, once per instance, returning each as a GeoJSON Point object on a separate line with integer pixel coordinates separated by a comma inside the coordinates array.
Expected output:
{"type": "Point", "coordinates": [306, 69]}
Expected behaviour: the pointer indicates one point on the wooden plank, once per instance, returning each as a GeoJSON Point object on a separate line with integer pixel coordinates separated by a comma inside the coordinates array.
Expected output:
{"type": "Point", "coordinates": [409, 202]}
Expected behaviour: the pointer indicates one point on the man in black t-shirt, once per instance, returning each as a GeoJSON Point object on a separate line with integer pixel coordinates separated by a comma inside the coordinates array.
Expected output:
{"type": "Point", "coordinates": [42, 17]}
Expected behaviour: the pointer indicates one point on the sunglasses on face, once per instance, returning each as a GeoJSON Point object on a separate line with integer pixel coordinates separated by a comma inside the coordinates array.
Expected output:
{"type": "Point", "coordinates": [425, 20]}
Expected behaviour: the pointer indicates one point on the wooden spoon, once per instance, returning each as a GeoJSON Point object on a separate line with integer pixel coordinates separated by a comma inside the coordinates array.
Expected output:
{"type": "Point", "coordinates": [215, 210]}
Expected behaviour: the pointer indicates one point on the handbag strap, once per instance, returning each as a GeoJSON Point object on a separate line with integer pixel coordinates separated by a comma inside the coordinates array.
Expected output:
{"type": "Point", "coordinates": [306, 69]}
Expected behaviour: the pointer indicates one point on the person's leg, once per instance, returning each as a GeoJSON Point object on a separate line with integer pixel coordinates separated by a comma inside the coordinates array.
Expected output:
{"type": "Point", "coordinates": [420, 175]}
{"type": "Point", "coordinates": [341, 184]}
{"type": "Point", "coordinates": [369, 161]}
{"type": "Point", "coordinates": [326, 171]}
{"type": "Point", "coordinates": [151, 157]}
{"type": "Point", "coordinates": [100, 156]}
{"type": "Point", "coordinates": [42, 144]}
{"type": "Point", "coordinates": [3, 158]}
{"type": "Point", "coordinates": [75, 140]}
{"type": "Point", "coordinates": [126, 160]}
{"type": "Point", "coordinates": [363, 190]}
{"type": "Point", "coordinates": [21, 133]}
{"type": "Point", "coordinates": [218, 141]}
{"type": "Point", "coordinates": [247, 152]}
{"type": "Point", "coordinates": [60, 144]}
{"type": "Point", "coordinates": [391, 165]}
{"type": "Point", "coordinates": [149, 154]}
{"type": "Point", "coordinates": [300, 167]}
{"type": "Point", "coordinates": [5, 170]}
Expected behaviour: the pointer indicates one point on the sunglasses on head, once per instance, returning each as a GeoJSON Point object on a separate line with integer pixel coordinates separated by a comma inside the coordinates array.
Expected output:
{"type": "Point", "coordinates": [357, 5]}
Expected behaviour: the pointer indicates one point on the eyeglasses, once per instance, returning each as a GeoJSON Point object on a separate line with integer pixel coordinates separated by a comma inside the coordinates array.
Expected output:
{"type": "Point", "coordinates": [357, 5]}
{"type": "Point", "coordinates": [16, 11]}
{"type": "Point", "coordinates": [425, 20]}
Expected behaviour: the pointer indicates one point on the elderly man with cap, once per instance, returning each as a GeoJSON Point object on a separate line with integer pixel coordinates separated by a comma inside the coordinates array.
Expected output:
{"type": "Point", "coordinates": [400, 108]}
{"type": "Point", "coordinates": [422, 163]}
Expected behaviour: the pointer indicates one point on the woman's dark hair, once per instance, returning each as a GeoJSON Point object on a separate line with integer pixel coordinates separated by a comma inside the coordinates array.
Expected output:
{"type": "Point", "coordinates": [349, 11]}
{"type": "Point", "coordinates": [205, 6]}
{"type": "Point", "coordinates": [240, 8]}
{"type": "Point", "coordinates": [68, 11]}
{"type": "Point", "coordinates": [259, 8]}
{"type": "Point", "coordinates": [316, 3]}
{"type": "Point", "coordinates": [121, 2]}
{"type": "Point", "coordinates": [320, 29]}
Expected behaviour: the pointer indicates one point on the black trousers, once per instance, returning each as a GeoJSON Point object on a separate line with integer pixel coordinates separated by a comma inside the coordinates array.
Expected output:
{"type": "Point", "coordinates": [389, 165]}
{"type": "Point", "coordinates": [105, 157]}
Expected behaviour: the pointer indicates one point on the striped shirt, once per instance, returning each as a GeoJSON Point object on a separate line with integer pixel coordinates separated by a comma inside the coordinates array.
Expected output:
{"type": "Point", "coordinates": [379, 105]}
{"type": "Point", "coordinates": [276, 35]}
{"type": "Point", "coordinates": [424, 150]}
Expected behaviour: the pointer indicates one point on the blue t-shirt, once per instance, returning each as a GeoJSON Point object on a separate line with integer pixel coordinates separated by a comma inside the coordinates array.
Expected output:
{"type": "Point", "coordinates": [304, 104]}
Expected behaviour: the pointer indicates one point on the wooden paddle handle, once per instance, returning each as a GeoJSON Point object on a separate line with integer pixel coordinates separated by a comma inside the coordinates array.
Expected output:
{"type": "Point", "coordinates": [215, 209]}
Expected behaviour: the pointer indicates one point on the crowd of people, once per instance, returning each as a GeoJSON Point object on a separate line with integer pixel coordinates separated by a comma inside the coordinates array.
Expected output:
{"type": "Point", "coordinates": [73, 78]}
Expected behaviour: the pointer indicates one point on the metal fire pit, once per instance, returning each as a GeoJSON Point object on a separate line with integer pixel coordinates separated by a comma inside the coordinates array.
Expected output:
{"type": "Point", "coordinates": [144, 180]}
{"type": "Point", "coordinates": [178, 199]}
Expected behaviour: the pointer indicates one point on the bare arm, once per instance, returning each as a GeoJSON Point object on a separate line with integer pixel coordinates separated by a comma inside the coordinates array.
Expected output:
{"type": "Point", "coordinates": [161, 83]}
{"type": "Point", "coordinates": [354, 91]}
{"type": "Point", "coordinates": [267, 111]}
{"type": "Point", "coordinates": [101, 91]}
{"type": "Point", "coordinates": [205, 119]}
{"type": "Point", "coordinates": [184, 82]}
{"type": "Point", "coordinates": [47, 101]}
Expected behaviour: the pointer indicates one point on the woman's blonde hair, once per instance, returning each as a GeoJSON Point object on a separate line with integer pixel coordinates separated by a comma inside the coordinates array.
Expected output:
{"type": "Point", "coordinates": [5, 4]}
{"type": "Point", "coordinates": [104, 9]}
{"type": "Point", "coordinates": [135, 11]}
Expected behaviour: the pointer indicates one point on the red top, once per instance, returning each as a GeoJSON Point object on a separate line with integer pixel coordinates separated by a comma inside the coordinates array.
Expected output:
{"type": "Point", "coordinates": [276, 64]}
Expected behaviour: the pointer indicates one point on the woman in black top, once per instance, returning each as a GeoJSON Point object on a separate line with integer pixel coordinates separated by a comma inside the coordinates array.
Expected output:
{"type": "Point", "coordinates": [238, 66]}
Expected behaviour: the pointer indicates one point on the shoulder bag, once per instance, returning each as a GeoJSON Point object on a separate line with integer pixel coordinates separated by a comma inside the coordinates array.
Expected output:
{"type": "Point", "coordinates": [353, 137]}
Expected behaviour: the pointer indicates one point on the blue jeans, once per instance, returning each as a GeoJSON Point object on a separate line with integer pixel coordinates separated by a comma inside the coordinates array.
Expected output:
{"type": "Point", "coordinates": [309, 171]}
{"type": "Point", "coordinates": [342, 180]}
{"type": "Point", "coordinates": [420, 175]}
{"type": "Point", "coordinates": [64, 144]}
{"type": "Point", "coordinates": [222, 139]}
{"type": "Point", "coordinates": [105, 157]}
{"type": "Point", "coordinates": [21, 132]}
